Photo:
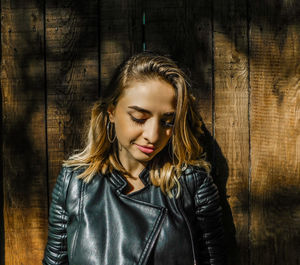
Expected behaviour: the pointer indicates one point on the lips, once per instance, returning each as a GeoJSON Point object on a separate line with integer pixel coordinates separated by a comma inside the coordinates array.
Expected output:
{"type": "Point", "coordinates": [145, 149]}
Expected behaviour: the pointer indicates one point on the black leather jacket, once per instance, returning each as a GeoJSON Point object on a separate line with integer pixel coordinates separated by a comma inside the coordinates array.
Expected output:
{"type": "Point", "coordinates": [98, 224]}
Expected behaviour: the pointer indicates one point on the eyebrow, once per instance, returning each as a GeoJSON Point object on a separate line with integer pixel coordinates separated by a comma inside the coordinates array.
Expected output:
{"type": "Point", "coordinates": [168, 114]}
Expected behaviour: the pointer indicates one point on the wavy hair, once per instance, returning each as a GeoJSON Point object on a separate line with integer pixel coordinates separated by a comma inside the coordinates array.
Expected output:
{"type": "Point", "coordinates": [183, 148]}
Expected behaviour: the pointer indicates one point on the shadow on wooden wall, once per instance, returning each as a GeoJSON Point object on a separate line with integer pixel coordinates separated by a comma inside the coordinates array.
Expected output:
{"type": "Point", "coordinates": [243, 58]}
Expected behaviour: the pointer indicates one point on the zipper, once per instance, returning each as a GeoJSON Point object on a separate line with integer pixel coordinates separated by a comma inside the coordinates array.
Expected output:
{"type": "Point", "coordinates": [190, 231]}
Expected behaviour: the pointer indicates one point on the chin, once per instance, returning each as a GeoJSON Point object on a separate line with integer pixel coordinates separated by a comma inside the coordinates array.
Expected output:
{"type": "Point", "coordinates": [144, 157]}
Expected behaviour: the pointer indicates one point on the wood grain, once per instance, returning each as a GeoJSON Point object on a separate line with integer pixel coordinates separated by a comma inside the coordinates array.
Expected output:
{"type": "Point", "coordinates": [231, 121]}
{"type": "Point", "coordinates": [120, 34]}
{"type": "Point", "coordinates": [72, 62]}
{"type": "Point", "coordinates": [182, 29]}
{"type": "Point", "coordinates": [24, 148]}
{"type": "Point", "coordinates": [275, 140]}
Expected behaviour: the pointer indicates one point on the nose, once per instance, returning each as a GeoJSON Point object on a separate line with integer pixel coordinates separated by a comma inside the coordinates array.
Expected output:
{"type": "Point", "coordinates": [152, 131]}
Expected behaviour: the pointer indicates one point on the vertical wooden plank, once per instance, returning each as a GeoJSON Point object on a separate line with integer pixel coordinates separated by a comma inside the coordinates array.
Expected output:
{"type": "Point", "coordinates": [275, 130]}
{"type": "Point", "coordinates": [231, 117]}
{"type": "Point", "coordinates": [2, 236]}
{"type": "Point", "coordinates": [166, 21]}
{"type": "Point", "coordinates": [182, 29]}
{"type": "Point", "coordinates": [120, 34]}
{"type": "Point", "coordinates": [72, 76]}
{"type": "Point", "coordinates": [199, 49]}
{"type": "Point", "coordinates": [24, 146]}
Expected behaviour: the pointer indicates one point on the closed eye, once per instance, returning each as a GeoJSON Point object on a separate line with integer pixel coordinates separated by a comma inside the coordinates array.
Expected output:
{"type": "Point", "coordinates": [138, 121]}
{"type": "Point", "coordinates": [164, 124]}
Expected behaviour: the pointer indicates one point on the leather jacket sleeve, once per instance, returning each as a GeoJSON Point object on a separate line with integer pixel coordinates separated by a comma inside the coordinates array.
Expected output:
{"type": "Point", "coordinates": [209, 221]}
{"type": "Point", "coordinates": [56, 248]}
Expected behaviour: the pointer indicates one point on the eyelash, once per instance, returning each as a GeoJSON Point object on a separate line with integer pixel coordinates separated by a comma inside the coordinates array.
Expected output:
{"type": "Point", "coordinates": [141, 121]}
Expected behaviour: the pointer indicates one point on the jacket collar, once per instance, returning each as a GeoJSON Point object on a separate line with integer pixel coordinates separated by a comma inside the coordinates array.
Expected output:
{"type": "Point", "coordinates": [144, 175]}
{"type": "Point", "coordinates": [119, 180]}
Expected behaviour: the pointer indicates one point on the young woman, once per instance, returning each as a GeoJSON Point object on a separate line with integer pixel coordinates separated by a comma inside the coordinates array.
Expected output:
{"type": "Point", "coordinates": [139, 192]}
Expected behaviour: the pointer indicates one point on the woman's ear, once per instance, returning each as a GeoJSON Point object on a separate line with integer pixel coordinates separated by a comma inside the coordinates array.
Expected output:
{"type": "Point", "coordinates": [111, 113]}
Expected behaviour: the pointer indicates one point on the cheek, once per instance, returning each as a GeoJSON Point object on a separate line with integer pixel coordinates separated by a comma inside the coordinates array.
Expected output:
{"type": "Point", "coordinates": [125, 130]}
{"type": "Point", "coordinates": [168, 134]}
{"type": "Point", "coordinates": [166, 137]}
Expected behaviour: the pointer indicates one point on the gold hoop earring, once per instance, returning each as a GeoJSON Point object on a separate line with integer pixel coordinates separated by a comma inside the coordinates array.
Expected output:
{"type": "Point", "coordinates": [109, 131]}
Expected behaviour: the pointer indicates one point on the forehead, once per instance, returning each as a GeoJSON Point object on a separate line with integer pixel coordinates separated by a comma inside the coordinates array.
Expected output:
{"type": "Point", "coordinates": [153, 95]}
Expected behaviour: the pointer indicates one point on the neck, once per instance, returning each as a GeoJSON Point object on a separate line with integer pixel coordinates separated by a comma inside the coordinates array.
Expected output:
{"type": "Point", "coordinates": [132, 166]}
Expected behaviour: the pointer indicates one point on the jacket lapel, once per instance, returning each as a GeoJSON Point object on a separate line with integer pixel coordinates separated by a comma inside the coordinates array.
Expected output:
{"type": "Point", "coordinates": [139, 221]}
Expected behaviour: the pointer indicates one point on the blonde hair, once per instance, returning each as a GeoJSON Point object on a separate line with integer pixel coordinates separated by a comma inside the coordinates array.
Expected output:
{"type": "Point", "coordinates": [99, 155]}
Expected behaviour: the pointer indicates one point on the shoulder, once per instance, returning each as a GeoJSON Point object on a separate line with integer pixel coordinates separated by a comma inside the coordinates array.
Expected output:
{"type": "Point", "coordinates": [62, 181]}
{"type": "Point", "coordinates": [67, 180]}
{"type": "Point", "coordinates": [201, 186]}
{"type": "Point", "coordinates": [65, 175]}
{"type": "Point", "coordinates": [68, 188]}
{"type": "Point", "coordinates": [195, 177]}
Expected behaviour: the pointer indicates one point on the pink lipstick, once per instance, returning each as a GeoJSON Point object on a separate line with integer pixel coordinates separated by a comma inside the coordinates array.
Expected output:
{"type": "Point", "coordinates": [144, 149]}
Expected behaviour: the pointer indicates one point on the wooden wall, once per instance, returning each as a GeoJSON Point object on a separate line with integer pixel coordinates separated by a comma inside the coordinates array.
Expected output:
{"type": "Point", "coordinates": [244, 59]}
